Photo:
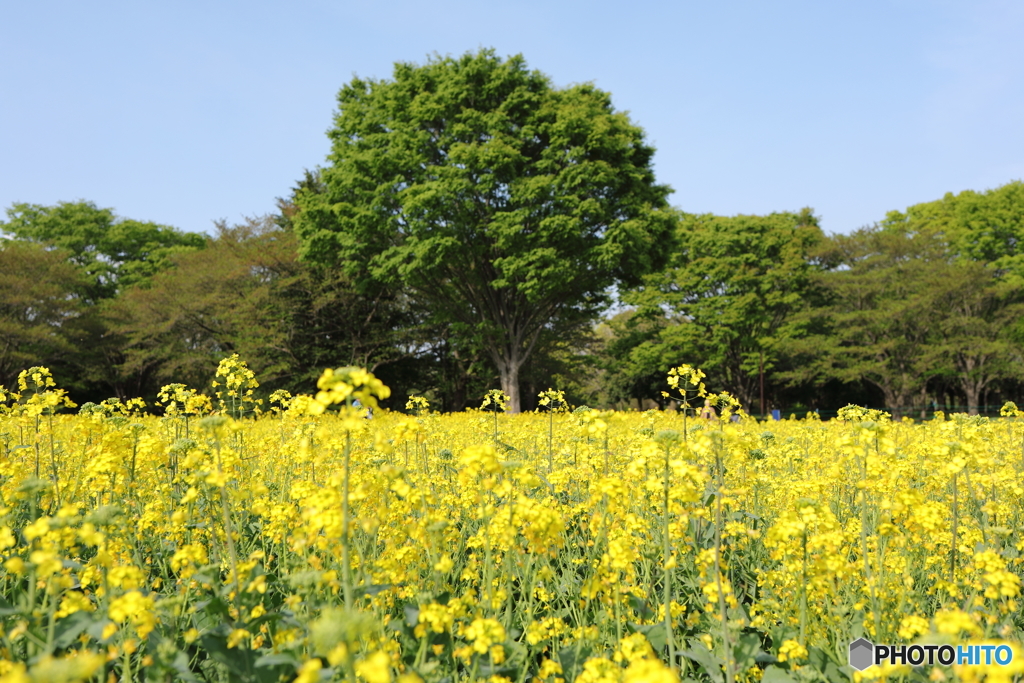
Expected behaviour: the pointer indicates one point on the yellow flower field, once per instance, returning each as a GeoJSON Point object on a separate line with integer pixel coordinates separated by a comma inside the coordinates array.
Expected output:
{"type": "Point", "coordinates": [300, 540]}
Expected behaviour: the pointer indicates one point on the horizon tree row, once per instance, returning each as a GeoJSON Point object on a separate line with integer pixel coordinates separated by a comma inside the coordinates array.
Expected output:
{"type": "Point", "coordinates": [907, 314]}
{"type": "Point", "coordinates": [920, 312]}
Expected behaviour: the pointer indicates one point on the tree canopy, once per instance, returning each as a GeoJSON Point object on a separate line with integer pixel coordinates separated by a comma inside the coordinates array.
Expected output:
{"type": "Point", "coordinates": [903, 310]}
{"type": "Point", "coordinates": [248, 293]}
{"type": "Point", "coordinates": [109, 255]}
{"type": "Point", "coordinates": [113, 252]}
{"type": "Point", "coordinates": [505, 204]}
{"type": "Point", "coordinates": [37, 306]}
{"type": "Point", "coordinates": [987, 227]}
{"type": "Point", "coordinates": [730, 289]}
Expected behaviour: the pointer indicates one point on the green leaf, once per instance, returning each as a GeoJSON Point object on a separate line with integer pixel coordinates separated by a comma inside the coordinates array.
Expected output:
{"type": "Point", "coordinates": [655, 634]}
{"type": "Point", "coordinates": [67, 630]}
{"type": "Point", "coordinates": [745, 650]}
{"type": "Point", "coordinates": [641, 607]}
{"type": "Point", "coordinates": [95, 630]}
{"type": "Point", "coordinates": [279, 659]}
{"type": "Point", "coordinates": [180, 665]}
{"type": "Point", "coordinates": [373, 589]}
{"type": "Point", "coordinates": [700, 654]}
{"type": "Point", "coordinates": [821, 661]}
{"type": "Point", "coordinates": [572, 659]}
{"type": "Point", "coordinates": [7, 608]}
{"type": "Point", "coordinates": [241, 662]}
{"type": "Point", "coordinates": [775, 674]}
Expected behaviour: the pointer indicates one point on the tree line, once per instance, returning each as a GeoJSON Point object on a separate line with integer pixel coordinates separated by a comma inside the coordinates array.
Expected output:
{"type": "Point", "coordinates": [476, 226]}
{"type": "Point", "coordinates": [919, 312]}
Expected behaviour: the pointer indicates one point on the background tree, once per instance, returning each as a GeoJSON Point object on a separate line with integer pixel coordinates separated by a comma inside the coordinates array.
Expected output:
{"type": "Point", "coordinates": [975, 341]}
{"type": "Point", "coordinates": [633, 359]}
{"type": "Point", "coordinates": [504, 205]}
{"type": "Point", "coordinates": [987, 227]}
{"type": "Point", "coordinates": [882, 321]}
{"type": "Point", "coordinates": [246, 292]}
{"type": "Point", "coordinates": [730, 290]}
{"type": "Point", "coordinates": [111, 254]}
{"type": "Point", "coordinates": [929, 296]}
{"type": "Point", "coordinates": [38, 307]}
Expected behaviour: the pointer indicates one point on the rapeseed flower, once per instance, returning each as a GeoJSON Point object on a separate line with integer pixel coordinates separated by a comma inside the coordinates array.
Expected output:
{"type": "Point", "coordinates": [564, 528]}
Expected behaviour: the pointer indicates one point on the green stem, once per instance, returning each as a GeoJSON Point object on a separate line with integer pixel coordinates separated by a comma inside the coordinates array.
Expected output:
{"type": "Point", "coordinates": [956, 522]}
{"type": "Point", "coordinates": [346, 563]}
{"type": "Point", "coordinates": [666, 555]}
{"type": "Point", "coordinates": [868, 576]}
{"type": "Point", "coordinates": [718, 574]}
{"type": "Point", "coordinates": [803, 593]}
{"type": "Point", "coordinates": [36, 442]}
{"type": "Point", "coordinates": [228, 533]}
{"type": "Point", "coordinates": [551, 433]}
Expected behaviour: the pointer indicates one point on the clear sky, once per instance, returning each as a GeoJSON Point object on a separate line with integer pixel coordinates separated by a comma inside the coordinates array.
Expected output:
{"type": "Point", "coordinates": [187, 112]}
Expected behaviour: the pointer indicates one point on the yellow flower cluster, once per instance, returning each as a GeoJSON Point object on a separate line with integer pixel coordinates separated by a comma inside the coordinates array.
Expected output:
{"type": "Point", "coordinates": [565, 547]}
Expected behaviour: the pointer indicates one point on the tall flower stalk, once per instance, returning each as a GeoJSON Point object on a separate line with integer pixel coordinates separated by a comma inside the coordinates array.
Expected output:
{"type": "Point", "coordinates": [686, 383]}
{"type": "Point", "coordinates": [356, 392]}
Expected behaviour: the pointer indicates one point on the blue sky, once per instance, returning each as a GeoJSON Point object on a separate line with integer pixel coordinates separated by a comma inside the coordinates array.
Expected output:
{"type": "Point", "coordinates": [188, 112]}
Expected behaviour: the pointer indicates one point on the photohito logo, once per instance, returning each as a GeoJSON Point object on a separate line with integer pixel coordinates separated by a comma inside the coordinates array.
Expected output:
{"type": "Point", "coordinates": [864, 653]}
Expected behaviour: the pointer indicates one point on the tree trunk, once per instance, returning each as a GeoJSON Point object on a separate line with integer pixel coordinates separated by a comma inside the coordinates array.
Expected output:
{"type": "Point", "coordinates": [896, 401]}
{"type": "Point", "coordinates": [459, 393]}
{"type": "Point", "coordinates": [891, 402]}
{"type": "Point", "coordinates": [973, 391]}
{"type": "Point", "coordinates": [509, 372]}
{"type": "Point", "coordinates": [510, 357]}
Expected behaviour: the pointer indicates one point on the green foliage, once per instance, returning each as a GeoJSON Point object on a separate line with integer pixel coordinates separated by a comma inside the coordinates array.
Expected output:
{"type": "Point", "coordinates": [924, 305]}
{"type": "Point", "coordinates": [109, 256]}
{"type": "Point", "coordinates": [468, 229]}
{"type": "Point", "coordinates": [727, 298]}
{"type": "Point", "coordinates": [38, 309]}
{"type": "Point", "coordinates": [632, 362]}
{"type": "Point", "coordinates": [903, 310]}
{"type": "Point", "coordinates": [248, 293]}
{"type": "Point", "coordinates": [987, 227]}
{"type": "Point", "coordinates": [113, 252]}
{"type": "Point", "coordinates": [877, 321]}
{"type": "Point", "coordinates": [506, 205]}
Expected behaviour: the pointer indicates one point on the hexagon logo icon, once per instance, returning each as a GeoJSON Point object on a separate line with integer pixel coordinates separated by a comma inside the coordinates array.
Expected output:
{"type": "Point", "coordinates": [862, 654]}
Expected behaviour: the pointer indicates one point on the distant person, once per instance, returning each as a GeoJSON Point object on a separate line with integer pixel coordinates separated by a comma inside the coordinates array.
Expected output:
{"type": "Point", "coordinates": [708, 412]}
{"type": "Point", "coordinates": [369, 411]}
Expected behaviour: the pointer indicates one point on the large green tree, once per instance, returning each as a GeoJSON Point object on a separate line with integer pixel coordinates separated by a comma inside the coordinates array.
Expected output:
{"type": "Point", "coordinates": [507, 206]}
{"type": "Point", "coordinates": [987, 227]}
{"type": "Point", "coordinates": [929, 297]}
{"type": "Point", "coordinates": [879, 319]}
{"type": "Point", "coordinates": [729, 293]}
{"type": "Point", "coordinates": [906, 314]}
{"type": "Point", "coordinates": [977, 341]}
